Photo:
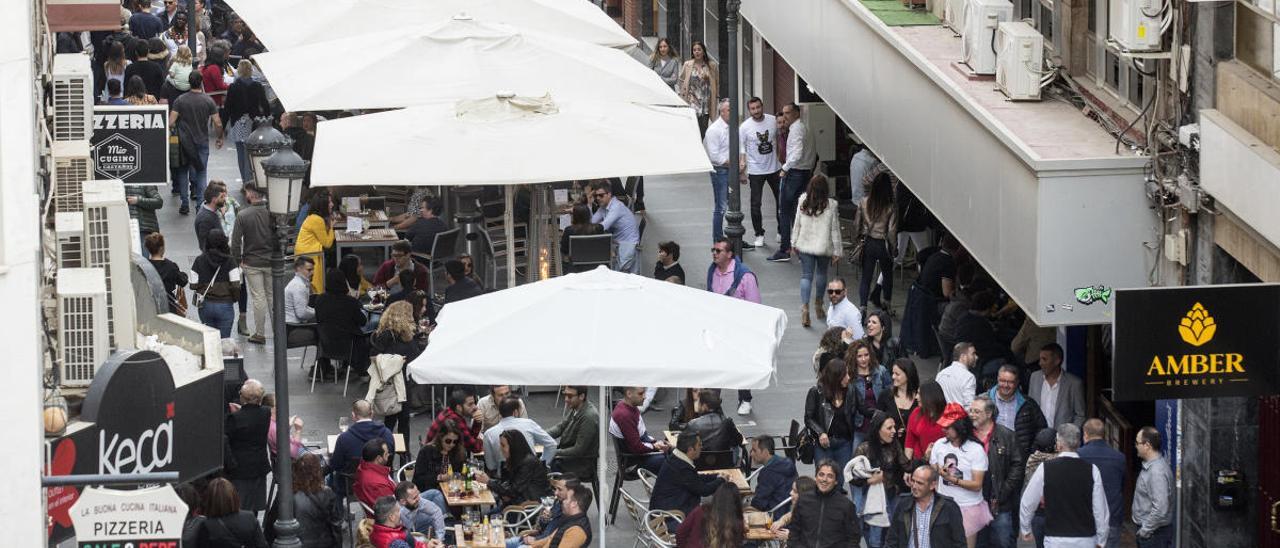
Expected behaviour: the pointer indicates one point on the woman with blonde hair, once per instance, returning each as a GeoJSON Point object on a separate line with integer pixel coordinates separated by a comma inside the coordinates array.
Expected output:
{"type": "Point", "coordinates": [180, 69]}
{"type": "Point", "coordinates": [699, 84]}
{"type": "Point", "coordinates": [816, 238]}
{"type": "Point", "coordinates": [666, 62]}
{"type": "Point", "coordinates": [397, 334]}
{"type": "Point", "coordinates": [246, 101]}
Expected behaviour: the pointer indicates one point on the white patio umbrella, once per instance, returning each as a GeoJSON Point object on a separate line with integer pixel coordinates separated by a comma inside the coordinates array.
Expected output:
{"type": "Point", "coordinates": [281, 24]}
{"type": "Point", "coordinates": [603, 328]}
{"type": "Point", "coordinates": [501, 140]}
{"type": "Point", "coordinates": [456, 59]}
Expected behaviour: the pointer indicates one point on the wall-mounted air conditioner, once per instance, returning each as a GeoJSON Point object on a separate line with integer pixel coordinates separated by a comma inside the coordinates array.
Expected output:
{"type": "Point", "coordinates": [1135, 25]}
{"type": "Point", "coordinates": [953, 15]}
{"type": "Point", "coordinates": [1019, 61]}
{"type": "Point", "coordinates": [82, 323]}
{"type": "Point", "coordinates": [108, 245]}
{"type": "Point", "coordinates": [980, 20]}
{"type": "Point", "coordinates": [68, 227]}
{"type": "Point", "coordinates": [72, 166]}
{"type": "Point", "coordinates": [72, 97]}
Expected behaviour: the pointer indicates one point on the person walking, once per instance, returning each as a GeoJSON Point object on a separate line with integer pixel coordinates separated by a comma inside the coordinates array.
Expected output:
{"type": "Point", "coordinates": [216, 283]}
{"type": "Point", "coordinates": [716, 141]}
{"type": "Point", "coordinates": [1076, 514]}
{"type": "Point", "coordinates": [1005, 468]}
{"type": "Point", "coordinates": [192, 114]}
{"type": "Point", "coordinates": [246, 102]}
{"type": "Point", "coordinates": [171, 275]}
{"type": "Point", "coordinates": [878, 226]}
{"type": "Point", "coordinates": [699, 84]}
{"type": "Point", "coordinates": [759, 161]}
{"type": "Point", "coordinates": [802, 157]}
{"type": "Point", "coordinates": [962, 464]}
{"type": "Point", "coordinates": [252, 240]}
{"type": "Point", "coordinates": [824, 518]}
{"type": "Point", "coordinates": [816, 239]}
{"type": "Point", "coordinates": [666, 62]}
{"type": "Point", "coordinates": [729, 276]}
{"type": "Point", "coordinates": [827, 415]}
{"type": "Point", "coordinates": [144, 201]}
{"type": "Point", "coordinates": [884, 454]}
{"type": "Point", "coordinates": [1111, 464]}
{"type": "Point", "coordinates": [1153, 493]}
{"type": "Point", "coordinates": [924, 517]}
{"type": "Point", "coordinates": [247, 463]}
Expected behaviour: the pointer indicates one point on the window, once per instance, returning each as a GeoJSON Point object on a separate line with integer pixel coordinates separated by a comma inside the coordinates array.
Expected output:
{"type": "Point", "coordinates": [1258, 35]}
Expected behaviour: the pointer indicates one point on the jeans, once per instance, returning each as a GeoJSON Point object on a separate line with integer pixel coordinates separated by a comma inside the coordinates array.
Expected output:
{"type": "Point", "coordinates": [720, 192]}
{"type": "Point", "coordinates": [189, 181]}
{"type": "Point", "coordinates": [810, 265]}
{"type": "Point", "coordinates": [221, 315]}
{"type": "Point", "coordinates": [242, 161]}
{"type": "Point", "coordinates": [856, 494]}
{"type": "Point", "coordinates": [875, 535]}
{"type": "Point", "coordinates": [653, 463]}
{"type": "Point", "coordinates": [1037, 529]}
{"type": "Point", "coordinates": [999, 533]}
{"type": "Point", "coordinates": [1160, 538]}
{"type": "Point", "coordinates": [876, 253]}
{"type": "Point", "coordinates": [434, 496]}
{"type": "Point", "coordinates": [757, 190]}
{"type": "Point", "coordinates": [1113, 536]}
{"type": "Point", "coordinates": [258, 281]}
{"type": "Point", "coordinates": [626, 259]}
{"type": "Point", "coordinates": [839, 451]}
{"type": "Point", "coordinates": [792, 187]}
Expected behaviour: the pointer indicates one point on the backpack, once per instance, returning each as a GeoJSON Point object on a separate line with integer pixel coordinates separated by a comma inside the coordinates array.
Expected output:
{"type": "Point", "coordinates": [740, 271]}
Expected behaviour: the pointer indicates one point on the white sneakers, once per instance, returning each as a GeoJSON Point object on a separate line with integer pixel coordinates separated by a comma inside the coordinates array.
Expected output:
{"type": "Point", "coordinates": [759, 242]}
{"type": "Point", "coordinates": [744, 408]}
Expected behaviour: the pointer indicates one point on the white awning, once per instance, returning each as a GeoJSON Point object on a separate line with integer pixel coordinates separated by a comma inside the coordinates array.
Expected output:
{"type": "Point", "coordinates": [516, 140]}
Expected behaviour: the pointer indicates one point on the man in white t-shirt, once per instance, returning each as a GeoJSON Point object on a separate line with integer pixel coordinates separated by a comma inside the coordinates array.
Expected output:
{"type": "Point", "coordinates": [759, 160]}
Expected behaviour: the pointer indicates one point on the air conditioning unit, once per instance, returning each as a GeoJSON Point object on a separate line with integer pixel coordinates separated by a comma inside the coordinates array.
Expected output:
{"type": "Point", "coordinates": [72, 166]}
{"type": "Point", "coordinates": [69, 229]}
{"type": "Point", "coordinates": [1019, 61]}
{"type": "Point", "coordinates": [980, 20]}
{"type": "Point", "coordinates": [72, 97]}
{"type": "Point", "coordinates": [953, 15]}
{"type": "Point", "coordinates": [1135, 24]}
{"type": "Point", "coordinates": [82, 324]}
{"type": "Point", "coordinates": [108, 245]}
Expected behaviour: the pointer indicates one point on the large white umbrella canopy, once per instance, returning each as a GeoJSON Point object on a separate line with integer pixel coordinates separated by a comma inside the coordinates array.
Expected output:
{"type": "Point", "coordinates": [456, 59]}
{"type": "Point", "coordinates": [507, 140]}
{"type": "Point", "coordinates": [604, 328]}
{"type": "Point", "coordinates": [281, 24]}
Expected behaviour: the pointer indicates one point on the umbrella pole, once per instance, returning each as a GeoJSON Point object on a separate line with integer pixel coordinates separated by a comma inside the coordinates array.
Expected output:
{"type": "Point", "coordinates": [510, 232]}
{"type": "Point", "coordinates": [602, 463]}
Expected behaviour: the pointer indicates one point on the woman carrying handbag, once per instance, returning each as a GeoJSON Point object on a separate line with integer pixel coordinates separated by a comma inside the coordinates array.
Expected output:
{"type": "Point", "coordinates": [877, 228]}
{"type": "Point", "coordinates": [816, 238]}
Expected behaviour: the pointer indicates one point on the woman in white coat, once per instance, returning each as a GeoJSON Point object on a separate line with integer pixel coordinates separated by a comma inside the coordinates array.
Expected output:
{"type": "Point", "coordinates": [816, 238]}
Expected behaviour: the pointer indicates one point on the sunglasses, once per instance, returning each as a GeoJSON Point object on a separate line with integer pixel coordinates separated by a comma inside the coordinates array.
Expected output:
{"type": "Point", "coordinates": [448, 441]}
{"type": "Point", "coordinates": [835, 291]}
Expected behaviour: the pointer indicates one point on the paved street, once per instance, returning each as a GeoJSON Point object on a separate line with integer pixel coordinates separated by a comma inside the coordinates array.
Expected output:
{"type": "Point", "coordinates": [678, 209]}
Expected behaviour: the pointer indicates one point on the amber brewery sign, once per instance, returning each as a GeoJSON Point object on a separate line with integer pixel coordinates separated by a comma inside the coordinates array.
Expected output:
{"type": "Point", "coordinates": [1196, 342]}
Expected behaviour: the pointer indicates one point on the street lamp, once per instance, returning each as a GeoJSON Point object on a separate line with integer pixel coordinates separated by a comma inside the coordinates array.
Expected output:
{"type": "Point", "coordinates": [734, 230]}
{"type": "Point", "coordinates": [283, 172]}
{"type": "Point", "coordinates": [261, 144]}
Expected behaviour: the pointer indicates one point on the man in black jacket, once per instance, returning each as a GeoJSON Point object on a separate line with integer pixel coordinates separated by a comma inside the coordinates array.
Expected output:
{"type": "Point", "coordinates": [208, 218]}
{"type": "Point", "coordinates": [718, 434]}
{"type": "Point", "coordinates": [826, 518]}
{"type": "Point", "coordinates": [679, 486]}
{"type": "Point", "coordinates": [925, 507]}
{"type": "Point", "coordinates": [461, 286]}
{"type": "Point", "coordinates": [245, 458]}
{"type": "Point", "coordinates": [1003, 481]}
{"type": "Point", "coordinates": [1017, 412]}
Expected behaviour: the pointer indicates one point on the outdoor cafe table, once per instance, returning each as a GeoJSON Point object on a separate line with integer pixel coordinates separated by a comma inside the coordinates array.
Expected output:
{"type": "Point", "coordinates": [381, 238]}
{"type": "Point", "coordinates": [458, 534]}
{"type": "Point", "coordinates": [733, 475]}
{"type": "Point", "coordinates": [482, 498]}
{"type": "Point", "coordinates": [374, 218]}
{"type": "Point", "coordinates": [398, 437]}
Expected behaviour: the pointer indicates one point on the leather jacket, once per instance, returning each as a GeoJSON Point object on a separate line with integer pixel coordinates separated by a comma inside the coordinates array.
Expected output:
{"type": "Point", "coordinates": [1004, 470]}
{"type": "Point", "coordinates": [717, 432]}
{"type": "Point", "coordinates": [818, 411]}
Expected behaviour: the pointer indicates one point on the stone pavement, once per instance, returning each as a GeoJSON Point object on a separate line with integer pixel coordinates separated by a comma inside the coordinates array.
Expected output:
{"type": "Point", "coordinates": [678, 209]}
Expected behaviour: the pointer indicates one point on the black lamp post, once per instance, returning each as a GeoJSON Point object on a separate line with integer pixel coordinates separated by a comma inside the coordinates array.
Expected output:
{"type": "Point", "coordinates": [734, 230]}
{"type": "Point", "coordinates": [261, 144]}
{"type": "Point", "coordinates": [283, 172]}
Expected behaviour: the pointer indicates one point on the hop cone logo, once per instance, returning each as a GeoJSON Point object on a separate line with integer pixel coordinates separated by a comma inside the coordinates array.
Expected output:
{"type": "Point", "coordinates": [1197, 327]}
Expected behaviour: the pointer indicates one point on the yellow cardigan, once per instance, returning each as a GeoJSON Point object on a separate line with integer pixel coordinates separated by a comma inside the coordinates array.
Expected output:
{"type": "Point", "coordinates": [314, 236]}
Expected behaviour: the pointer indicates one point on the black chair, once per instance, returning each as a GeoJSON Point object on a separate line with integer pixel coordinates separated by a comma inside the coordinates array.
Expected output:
{"type": "Point", "coordinates": [311, 338]}
{"type": "Point", "coordinates": [625, 471]}
{"type": "Point", "coordinates": [586, 252]}
{"type": "Point", "coordinates": [337, 352]}
{"type": "Point", "coordinates": [586, 465]}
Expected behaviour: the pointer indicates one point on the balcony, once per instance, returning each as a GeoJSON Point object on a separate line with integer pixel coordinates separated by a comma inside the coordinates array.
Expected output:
{"type": "Point", "coordinates": [1034, 190]}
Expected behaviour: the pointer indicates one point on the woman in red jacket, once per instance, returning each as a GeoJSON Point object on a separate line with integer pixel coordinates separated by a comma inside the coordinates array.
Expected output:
{"type": "Point", "coordinates": [214, 72]}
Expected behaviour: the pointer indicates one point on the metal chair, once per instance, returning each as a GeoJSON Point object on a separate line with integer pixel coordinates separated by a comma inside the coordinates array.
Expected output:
{"type": "Point", "coordinates": [628, 463]}
{"type": "Point", "coordinates": [443, 248]}
{"type": "Point", "coordinates": [636, 508]}
{"type": "Point", "coordinates": [405, 473]}
{"type": "Point", "coordinates": [660, 525]}
{"type": "Point", "coordinates": [586, 252]}
{"type": "Point", "coordinates": [647, 478]}
{"type": "Point", "coordinates": [520, 517]}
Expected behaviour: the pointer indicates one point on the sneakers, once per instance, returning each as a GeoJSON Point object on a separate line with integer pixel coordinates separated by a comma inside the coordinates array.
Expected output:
{"type": "Point", "coordinates": [744, 408]}
{"type": "Point", "coordinates": [759, 241]}
{"type": "Point", "coordinates": [184, 210]}
{"type": "Point", "coordinates": [780, 257]}
{"type": "Point", "coordinates": [242, 326]}
{"type": "Point", "coordinates": [257, 339]}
